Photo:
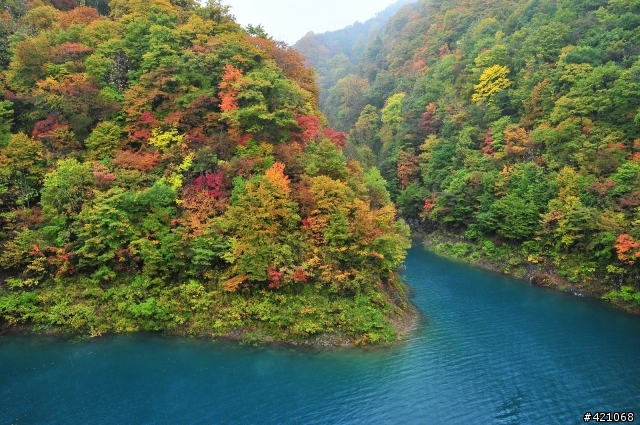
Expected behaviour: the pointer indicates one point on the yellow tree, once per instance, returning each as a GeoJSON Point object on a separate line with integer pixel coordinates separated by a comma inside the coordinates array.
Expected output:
{"type": "Point", "coordinates": [492, 81]}
{"type": "Point", "coordinates": [263, 220]}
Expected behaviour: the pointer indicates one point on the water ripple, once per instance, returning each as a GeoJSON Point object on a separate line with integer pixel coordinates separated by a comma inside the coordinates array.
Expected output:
{"type": "Point", "coordinates": [493, 350]}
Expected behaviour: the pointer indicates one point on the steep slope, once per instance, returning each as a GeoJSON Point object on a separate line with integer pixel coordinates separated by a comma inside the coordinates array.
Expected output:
{"type": "Point", "coordinates": [513, 125]}
{"type": "Point", "coordinates": [334, 54]}
{"type": "Point", "coordinates": [162, 169]}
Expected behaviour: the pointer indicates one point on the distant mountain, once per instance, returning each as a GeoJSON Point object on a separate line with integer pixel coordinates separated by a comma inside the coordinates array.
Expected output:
{"type": "Point", "coordinates": [335, 53]}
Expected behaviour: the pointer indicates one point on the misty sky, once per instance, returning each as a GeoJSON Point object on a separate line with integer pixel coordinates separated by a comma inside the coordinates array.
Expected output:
{"type": "Point", "coordinates": [289, 20]}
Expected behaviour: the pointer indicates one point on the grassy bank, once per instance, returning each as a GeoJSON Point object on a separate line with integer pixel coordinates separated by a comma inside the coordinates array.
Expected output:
{"type": "Point", "coordinates": [305, 316]}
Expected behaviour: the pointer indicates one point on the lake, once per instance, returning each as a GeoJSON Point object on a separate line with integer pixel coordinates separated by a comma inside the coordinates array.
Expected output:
{"type": "Point", "coordinates": [491, 350]}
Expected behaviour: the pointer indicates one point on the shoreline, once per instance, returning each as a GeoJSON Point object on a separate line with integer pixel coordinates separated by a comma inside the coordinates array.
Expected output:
{"type": "Point", "coordinates": [406, 321]}
{"type": "Point", "coordinates": [543, 275]}
{"type": "Point", "coordinates": [404, 326]}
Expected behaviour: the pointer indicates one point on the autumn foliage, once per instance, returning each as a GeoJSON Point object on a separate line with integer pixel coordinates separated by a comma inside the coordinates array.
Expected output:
{"type": "Point", "coordinates": [170, 159]}
{"type": "Point", "coordinates": [511, 127]}
{"type": "Point", "coordinates": [229, 88]}
{"type": "Point", "coordinates": [628, 249]}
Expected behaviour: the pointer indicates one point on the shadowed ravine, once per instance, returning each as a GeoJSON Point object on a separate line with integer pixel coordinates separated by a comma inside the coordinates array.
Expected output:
{"type": "Point", "coordinates": [491, 350]}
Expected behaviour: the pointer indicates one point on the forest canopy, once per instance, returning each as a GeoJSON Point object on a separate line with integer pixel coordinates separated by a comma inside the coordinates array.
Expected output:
{"type": "Point", "coordinates": [509, 129]}
{"type": "Point", "coordinates": [162, 168]}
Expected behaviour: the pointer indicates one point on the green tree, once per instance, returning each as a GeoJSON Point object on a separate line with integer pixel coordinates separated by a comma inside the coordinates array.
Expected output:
{"type": "Point", "coordinates": [104, 141]}
{"type": "Point", "coordinates": [514, 218]}
{"type": "Point", "coordinates": [22, 167]}
{"type": "Point", "coordinates": [105, 230]}
{"type": "Point", "coordinates": [367, 128]}
{"type": "Point", "coordinates": [324, 158]}
{"type": "Point", "coordinates": [6, 121]}
{"type": "Point", "coordinates": [392, 111]}
{"type": "Point", "coordinates": [66, 189]}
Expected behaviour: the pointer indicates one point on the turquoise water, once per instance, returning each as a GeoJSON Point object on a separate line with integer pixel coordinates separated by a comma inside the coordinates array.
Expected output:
{"type": "Point", "coordinates": [491, 350]}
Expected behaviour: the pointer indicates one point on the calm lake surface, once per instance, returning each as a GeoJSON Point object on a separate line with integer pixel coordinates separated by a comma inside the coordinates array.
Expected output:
{"type": "Point", "coordinates": [491, 350]}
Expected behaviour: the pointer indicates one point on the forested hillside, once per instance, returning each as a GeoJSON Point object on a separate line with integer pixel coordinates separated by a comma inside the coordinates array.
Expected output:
{"type": "Point", "coordinates": [335, 54]}
{"type": "Point", "coordinates": [511, 131]}
{"type": "Point", "coordinates": [161, 168]}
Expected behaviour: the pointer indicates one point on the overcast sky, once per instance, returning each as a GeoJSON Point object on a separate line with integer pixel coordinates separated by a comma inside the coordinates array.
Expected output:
{"type": "Point", "coordinates": [289, 20]}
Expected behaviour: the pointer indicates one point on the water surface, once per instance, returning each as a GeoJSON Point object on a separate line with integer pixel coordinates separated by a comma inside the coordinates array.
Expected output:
{"type": "Point", "coordinates": [491, 350]}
